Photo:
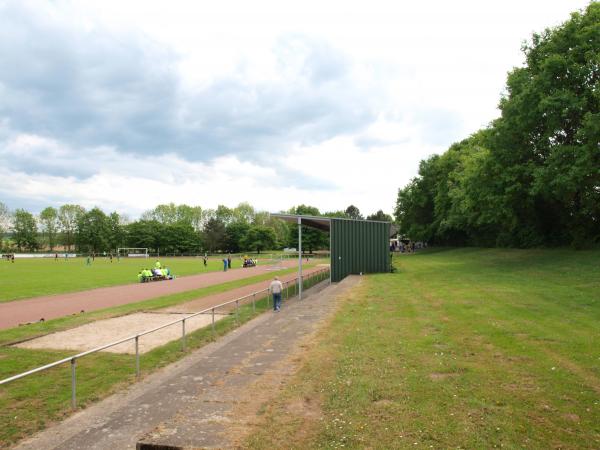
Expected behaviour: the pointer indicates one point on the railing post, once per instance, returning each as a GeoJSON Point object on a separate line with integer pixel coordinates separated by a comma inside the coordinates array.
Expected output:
{"type": "Point", "coordinates": [73, 385]}
{"type": "Point", "coordinates": [254, 302]}
{"type": "Point", "coordinates": [137, 356]}
{"type": "Point", "coordinates": [213, 322]}
{"type": "Point", "coordinates": [237, 311]}
{"type": "Point", "coordinates": [183, 335]}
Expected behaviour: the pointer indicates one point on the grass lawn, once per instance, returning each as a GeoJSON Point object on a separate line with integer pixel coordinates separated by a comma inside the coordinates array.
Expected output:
{"type": "Point", "coordinates": [32, 403]}
{"type": "Point", "coordinates": [465, 348]}
{"type": "Point", "coordinates": [32, 277]}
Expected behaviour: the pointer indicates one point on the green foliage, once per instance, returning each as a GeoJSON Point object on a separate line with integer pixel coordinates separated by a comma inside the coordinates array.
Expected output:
{"type": "Point", "coordinates": [260, 238]}
{"type": "Point", "coordinates": [49, 222]}
{"type": "Point", "coordinates": [214, 234]}
{"type": "Point", "coordinates": [235, 235]}
{"type": "Point", "coordinates": [93, 231]}
{"type": "Point", "coordinates": [312, 239]}
{"type": "Point", "coordinates": [353, 212]}
{"type": "Point", "coordinates": [380, 216]}
{"type": "Point", "coordinates": [533, 177]}
{"type": "Point", "coordinates": [25, 230]}
{"type": "Point", "coordinates": [68, 217]}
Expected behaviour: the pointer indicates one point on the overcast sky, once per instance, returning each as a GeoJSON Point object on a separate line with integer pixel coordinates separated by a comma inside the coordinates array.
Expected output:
{"type": "Point", "coordinates": [125, 105]}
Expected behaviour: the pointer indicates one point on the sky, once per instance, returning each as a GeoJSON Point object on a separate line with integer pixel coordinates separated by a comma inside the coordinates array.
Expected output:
{"type": "Point", "coordinates": [125, 105]}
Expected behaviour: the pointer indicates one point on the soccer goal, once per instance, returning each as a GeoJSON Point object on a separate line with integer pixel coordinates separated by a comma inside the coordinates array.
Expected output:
{"type": "Point", "coordinates": [132, 252]}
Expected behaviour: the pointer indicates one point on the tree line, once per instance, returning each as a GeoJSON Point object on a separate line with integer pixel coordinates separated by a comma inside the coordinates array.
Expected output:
{"type": "Point", "coordinates": [166, 229]}
{"type": "Point", "coordinates": [532, 177]}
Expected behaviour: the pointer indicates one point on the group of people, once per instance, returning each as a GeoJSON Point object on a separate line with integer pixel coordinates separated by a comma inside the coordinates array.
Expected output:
{"type": "Point", "coordinates": [9, 257]}
{"type": "Point", "coordinates": [156, 273]}
{"type": "Point", "coordinates": [249, 262]}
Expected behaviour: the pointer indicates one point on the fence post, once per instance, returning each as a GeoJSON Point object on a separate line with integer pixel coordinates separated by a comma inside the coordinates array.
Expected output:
{"type": "Point", "coordinates": [73, 385]}
{"type": "Point", "coordinates": [254, 302]}
{"type": "Point", "coordinates": [237, 311]}
{"type": "Point", "coordinates": [183, 335]}
{"type": "Point", "coordinates": [137, 356]}
{"type": "Point", "coordinates": [213, 322]}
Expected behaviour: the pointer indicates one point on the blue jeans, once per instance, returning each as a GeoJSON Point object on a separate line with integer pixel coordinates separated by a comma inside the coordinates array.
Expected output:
{"type": "Point", "coordinates": [276, 301]}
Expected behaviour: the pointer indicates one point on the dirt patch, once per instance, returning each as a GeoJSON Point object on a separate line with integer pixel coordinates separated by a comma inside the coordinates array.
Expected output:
{"type": "Point", "coordinates": [571, 417]}
{"type": "Point", "coordinates": [96, 334]}
{"type": "Point", "coordinates": [439, 376]}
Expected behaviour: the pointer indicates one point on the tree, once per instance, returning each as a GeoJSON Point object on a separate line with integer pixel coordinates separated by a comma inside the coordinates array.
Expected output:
{"type": "Point", "coordinates": [235, 236]}
{"type": "Point", "coordinates": [68, 217]}
{"type": "Point", "coordinates": [381, 216]}
{"type": "Point", "coordinates": [224, 214]}
{"type": "Point", "coordinates": [214, 234]}
{"type": "Point", "coordinates": [531, 178]}
{"type": "Point", "coordinates": [116, 232]}
{"type": "Point", "coordinates": [244, 212]}
{"type": "Point", "coordinates": [260, 238]}
{"type": "Point", "coordinates": [94, 231]}
{"type": "Point", "coordinates": [4, 221]}
{"type": "Point", "coordinates": [49, 222]}
{"type": "Point", "coordinates": [25, 230]}
{"type": "Point", "coordinates": [312, 239]}
{"type": "Point", "coordinates": [353, 212]}
{"type": "Point", "coordinates": [145, 234]}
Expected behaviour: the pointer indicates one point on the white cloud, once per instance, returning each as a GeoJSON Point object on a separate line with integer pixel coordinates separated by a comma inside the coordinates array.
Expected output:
{"type": "Point", "coordinates": [128, 104]}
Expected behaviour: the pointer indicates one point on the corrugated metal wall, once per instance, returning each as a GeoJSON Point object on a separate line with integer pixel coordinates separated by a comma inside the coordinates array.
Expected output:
{"type": "Point", "coordinates": [359, 246]}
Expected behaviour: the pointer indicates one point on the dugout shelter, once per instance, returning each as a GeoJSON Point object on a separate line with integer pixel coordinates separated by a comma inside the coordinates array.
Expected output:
{"type": "Point", "coordinates": [356, 246]}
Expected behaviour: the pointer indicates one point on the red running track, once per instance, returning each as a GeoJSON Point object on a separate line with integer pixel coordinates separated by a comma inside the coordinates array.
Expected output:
{"type": "Point", "coordinates": [53, 306]}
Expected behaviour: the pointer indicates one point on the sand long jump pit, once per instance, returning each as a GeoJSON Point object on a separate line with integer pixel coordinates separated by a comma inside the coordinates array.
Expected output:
{"type": "Point", "coordinates": [102, 332]}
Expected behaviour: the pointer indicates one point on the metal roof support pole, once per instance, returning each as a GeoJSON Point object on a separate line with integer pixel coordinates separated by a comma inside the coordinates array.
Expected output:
{"type": "Point", "coordinates": [299, 258]}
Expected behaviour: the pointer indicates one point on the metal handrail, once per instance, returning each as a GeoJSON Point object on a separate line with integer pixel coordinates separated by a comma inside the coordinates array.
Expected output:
{"type": "Point", "coordinates": [135, 337]}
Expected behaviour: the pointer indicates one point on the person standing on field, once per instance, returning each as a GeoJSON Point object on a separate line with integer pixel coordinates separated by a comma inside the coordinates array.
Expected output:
{"type": "Point", "coordinates": [276, 287]}
{"type": "Point", "coordinates": [205, 260]}
{"type": "Point", "coordinates": [229, 261]}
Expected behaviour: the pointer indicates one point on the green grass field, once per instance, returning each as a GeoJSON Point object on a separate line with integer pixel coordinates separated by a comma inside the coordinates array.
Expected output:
{"type": "Point", "coordinates": [464, 348]}
{"type": "Point", "coordinates": [32, 277]}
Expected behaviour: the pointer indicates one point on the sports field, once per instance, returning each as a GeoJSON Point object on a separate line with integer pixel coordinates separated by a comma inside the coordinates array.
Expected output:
{"type": "Point", "coordinates": [32, 277]}
{"type": "Point", "coordinates": [464, 348]}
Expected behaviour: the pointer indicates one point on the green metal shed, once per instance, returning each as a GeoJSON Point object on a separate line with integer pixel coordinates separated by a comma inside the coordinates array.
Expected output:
{"type": "Point", "coordinates": [356, 246]}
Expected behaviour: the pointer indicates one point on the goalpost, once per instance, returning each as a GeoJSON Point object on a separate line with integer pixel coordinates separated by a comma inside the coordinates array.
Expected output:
{"type": "Point", "coordinates": [133, 252]}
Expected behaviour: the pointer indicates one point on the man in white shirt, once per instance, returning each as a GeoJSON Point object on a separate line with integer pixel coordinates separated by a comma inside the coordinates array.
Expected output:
{"type": "Point", "coordinates": [276, 287]}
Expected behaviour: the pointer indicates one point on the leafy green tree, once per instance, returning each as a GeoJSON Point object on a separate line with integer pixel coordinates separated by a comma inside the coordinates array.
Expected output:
{"type": "Point", "coordinates": [94, 231]}
{"type": "Point", "coordinates": [312, 238]}
{"type": "Point", "coordinates": [381, 216]}
{"type": "Point", "coordinates": [49, 222]}
{"type": "Point", "coordinates": [68, 217]}
{"type": "Point", "coordinates": [532, 177]}
{"type": "Point", "coordinates": [116, 232]}
{"type": "Point", "coordinates": [145, 234]}
{"type": "Point", "coordinates": [244, 212]}
{"type": "Point", "coordinates": [4, 221]}
{"type": "Point", "coordinates": [224, 214]}
{"type": "Point", "coordinates": [214, 234]}
{"type": "Point", "coordinates": [25, 230]}
{"type": "Point", "coordinates": [353, 212]}
{"type": "Point", "coordinates": [260, 238]}
{"type": "Point", "coordinates": [235, 236]}
{"type": "Point", "coordinates": [179, 238]}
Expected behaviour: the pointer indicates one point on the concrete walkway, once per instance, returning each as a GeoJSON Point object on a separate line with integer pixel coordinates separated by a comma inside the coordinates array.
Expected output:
{"type": "Point", "coordinates": [190, 403]}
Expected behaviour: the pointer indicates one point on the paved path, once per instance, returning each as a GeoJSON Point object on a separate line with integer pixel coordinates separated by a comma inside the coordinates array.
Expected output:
{"type": "Point", "coordinates": [53, 306]}
{"type": "Point", "coordinates": [192, 403]}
